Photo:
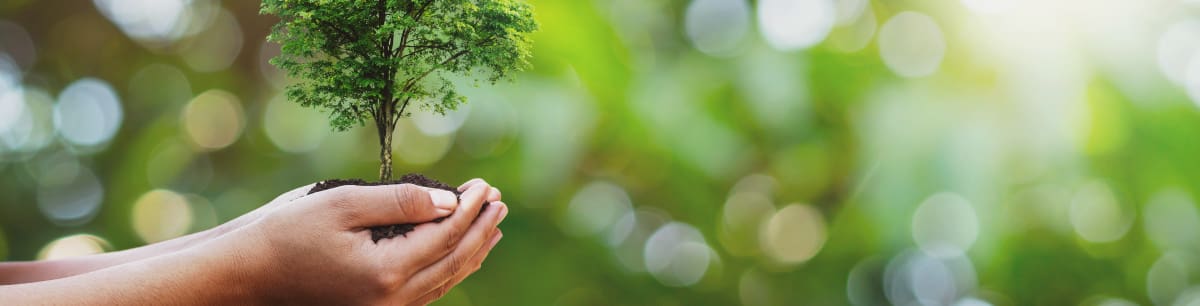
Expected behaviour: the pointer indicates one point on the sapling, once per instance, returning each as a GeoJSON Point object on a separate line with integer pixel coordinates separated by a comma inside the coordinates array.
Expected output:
{"type": "Point", "coordinates": [379, 60]}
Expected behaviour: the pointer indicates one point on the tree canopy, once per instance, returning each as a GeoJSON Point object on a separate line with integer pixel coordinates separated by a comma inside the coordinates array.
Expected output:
{"type": "Point", "coordinates": [360, 59]}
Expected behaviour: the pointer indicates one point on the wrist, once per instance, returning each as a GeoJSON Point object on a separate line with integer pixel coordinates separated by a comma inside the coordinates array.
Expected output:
{"type": "Point", "coordinates": [237, 269]}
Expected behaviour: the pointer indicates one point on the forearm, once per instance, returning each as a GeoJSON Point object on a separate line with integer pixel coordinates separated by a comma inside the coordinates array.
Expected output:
{"type": "Point", "coordinates": [35, 271]}
{"type": "Point", "coordinates": [180, 278]}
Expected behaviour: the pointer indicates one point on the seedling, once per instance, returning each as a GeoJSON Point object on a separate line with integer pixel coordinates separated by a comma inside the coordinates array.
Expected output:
{"type": "Point", "coordinates": [376, 60]}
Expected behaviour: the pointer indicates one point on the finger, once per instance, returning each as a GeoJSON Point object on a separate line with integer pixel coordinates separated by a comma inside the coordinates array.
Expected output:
{"type": "Point", "coordinates": [470, 183]}
{"type": "Point", "coordinates": [286, 197]}
{"type": "Point", "coordinates": [493, 195]}
{"type": "Point", "coordinates": [433, 276]}
{"type": "Point", "coordinates": [431, 241]}
{"type": "Point", "coordinates": [474, 265]}
{"type": "Point", "coordinates": [365, 206]}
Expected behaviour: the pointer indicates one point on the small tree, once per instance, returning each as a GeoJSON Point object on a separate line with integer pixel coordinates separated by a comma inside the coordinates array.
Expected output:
{"type": "Point", "coordinates": [360, 59]}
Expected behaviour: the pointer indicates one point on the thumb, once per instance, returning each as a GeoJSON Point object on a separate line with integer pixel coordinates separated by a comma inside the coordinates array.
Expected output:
{"type": "Point", "coordinates": [365, 206]}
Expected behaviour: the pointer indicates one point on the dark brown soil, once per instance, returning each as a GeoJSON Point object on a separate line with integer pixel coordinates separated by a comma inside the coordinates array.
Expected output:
{"type": "Point", "coordinates": [389, 231]}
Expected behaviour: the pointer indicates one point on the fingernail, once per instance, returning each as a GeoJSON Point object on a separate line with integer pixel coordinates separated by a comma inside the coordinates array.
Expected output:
{"type": "Point", "coordinates": [444, 212]}
{"type": "Point", "coordinates": [494, 194]}
{"type": "Point", "coordinates": [480, 186]}
{"type": "Point", "coordinates": [503, 211]}
{"type": "Point", "coordinates": [443, 199]}
{"type": "Point", "coordinates": [466, 185]}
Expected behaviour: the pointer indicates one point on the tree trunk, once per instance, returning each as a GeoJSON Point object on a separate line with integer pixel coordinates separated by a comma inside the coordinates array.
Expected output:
{"type": "Point", "coordinates": [385, 153]}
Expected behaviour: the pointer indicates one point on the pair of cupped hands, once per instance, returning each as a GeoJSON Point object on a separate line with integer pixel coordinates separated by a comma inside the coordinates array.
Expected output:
{"type": "Point", "coordinates": [297, 249]}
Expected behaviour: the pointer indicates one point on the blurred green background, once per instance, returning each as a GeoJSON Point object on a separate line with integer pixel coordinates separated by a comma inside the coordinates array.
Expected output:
{"type": "Point", "coordinates": [682, 152]}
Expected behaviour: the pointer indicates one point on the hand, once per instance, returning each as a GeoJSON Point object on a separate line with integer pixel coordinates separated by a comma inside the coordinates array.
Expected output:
{"type": "Point", "coordinates": [494, 197]}
{"type": "Point", "coordinates": [317, 249]}
{"type": "Point", "coordinates": [314, 250]}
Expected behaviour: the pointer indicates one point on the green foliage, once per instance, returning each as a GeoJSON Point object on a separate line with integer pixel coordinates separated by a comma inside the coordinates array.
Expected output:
{"type": "Point", "coordinates": [362, 59]}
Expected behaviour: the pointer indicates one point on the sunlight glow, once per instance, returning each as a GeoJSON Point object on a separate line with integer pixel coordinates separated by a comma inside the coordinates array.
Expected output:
{"type": "Point", "coordinates": [794, 234]}
{"type": "Point", "coordinates": [213, 120]}
{"type": "Point", "coordinates": [945, 225]}
{"type": "Point", "coordinates": [88, 113]}
{"type": "Point", "coordinates": [791, 25]}
{"type": "Point", "coordinates": [161, 214]}
{"type": "Point", "coordinates": [73, 246]}
{"type": "Point", "coordinates": [912, 44]}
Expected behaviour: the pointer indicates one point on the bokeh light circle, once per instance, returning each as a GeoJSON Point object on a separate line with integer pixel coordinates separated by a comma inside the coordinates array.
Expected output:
{"type": "Point", "coordinates": [213, 120]}
{"type": "Point", "coordinates": [914, 278]}
{"type": "Point", "coordinates": [864, 285]}
{"type": "Point", "coordinates": [676, 255]}
{"type": "Point", "coordinates": [945, 225]}
{"type": "Point", "coordinates": [744, 213]}
{"type": "Point", "coordinates": [12, 106]}
{"type": "Point", "coordinates": [596, 208]}
{"type": "Point", "coordinates": [413, 147]}
{"type": "Point", "coordinates": [292, 127]}
{"type": "Point", "coordinates": [1169, 276]}
{"type": "Point", "coordinates": [73, 246]}
{"type": "Point", "coordinates": [912, 44]}
{"type": "Point", "coordinates": [489, 128]}
{"type": "Point", "coordinates": [159, 84]}
{"type": "Point", "coordinates": [434, 124]}
{"type": "Point", "coordinates": [161, 214]}
{"type": "Point", "coordinates": [848, 11]}
{"type": "Point", "coordinates": [68, 193]}
{"type": "Point", "coordinates": [1104, 300]}
{"type": "Point", "coordinates": [795, 24]}
{"type": "Point", "coordinates": [794, 234]}
{"type": "Point", "coordinates": [162, 20]}
{"type": "Point", "coordinates": [10, 74]}
{"type": "Point", "coordinates": [1097, 216]}
{"type": "Point", "coordinates": [1189, 297]}
{"type": "Point", "coordinates": [717, 27]}
{"type": "Point", "coordinates": [168, 160]}
{"type": "Point", "coordinates": [1172, 220]}
{"type": "Point", "coordinates": [1177, 46]}
{"type": "Point", "coordinates": [754, 289]}
{"type": "Point", "coordinates": [33, 128]}
{"type": "Point", "coordinates": [971, 301]}
{"type": "Point", "coordinates": [275, 76]}
{"type": "Point", "coordinates": [1191, 82]}
{"type": "Point", "coordinates": [88, 113]}
{"type": "Point", "coordinates": [217, 47]}
{"type": "Point", "coordinates": [758, 183]}
{"type": "Point", "coordinates": [629, 245]}
{"type": "Point", "coordinates": [855, 36]}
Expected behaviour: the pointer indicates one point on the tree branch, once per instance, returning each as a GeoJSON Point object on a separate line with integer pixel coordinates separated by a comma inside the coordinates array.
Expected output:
{"type": "Point", "coordinates": [357, 112]}
{"type": "Point", "coordinates": [419, 48]}
{"type": "Point", "coordinates": [385, 45]}
{"type": "Point", "coordinates": [347, 37]}
{"type": "Point", "coordinates": [403, 43]}
{"type": "Point", "coordinates": [421, 11]}
{"type": "Point", "coordinates": [436, 46]}
{"type": "Point", "coordinates": [408, 85]}
{"type": "Point", "coordinates": [401, 113]}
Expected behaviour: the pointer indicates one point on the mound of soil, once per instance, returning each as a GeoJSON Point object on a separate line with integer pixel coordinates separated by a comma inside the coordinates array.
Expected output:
{"type": "Point", "coordinates": [390, 231]}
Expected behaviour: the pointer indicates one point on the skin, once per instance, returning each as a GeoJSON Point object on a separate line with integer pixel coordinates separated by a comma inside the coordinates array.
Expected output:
{"type": "Point", "coordinates": [296, 249]}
